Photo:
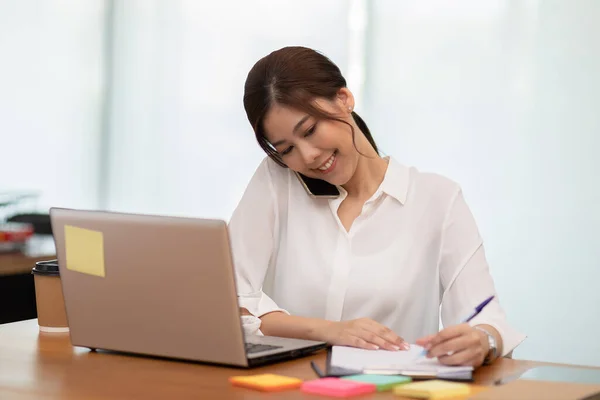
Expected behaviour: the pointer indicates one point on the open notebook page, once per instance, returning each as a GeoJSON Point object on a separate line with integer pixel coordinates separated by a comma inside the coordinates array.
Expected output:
{"type": "Point", "coordinates": [359, 359]}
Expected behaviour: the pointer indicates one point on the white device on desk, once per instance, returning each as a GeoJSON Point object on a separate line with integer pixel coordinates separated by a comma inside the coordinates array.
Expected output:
{"type": "Point", "coordinates": [160, 286]}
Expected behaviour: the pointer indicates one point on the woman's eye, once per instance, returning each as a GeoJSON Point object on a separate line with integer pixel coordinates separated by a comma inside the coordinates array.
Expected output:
{"type": "Point", "coordinates": [287, 151]}
{"type": "Point", "coordinates": [311, 130]}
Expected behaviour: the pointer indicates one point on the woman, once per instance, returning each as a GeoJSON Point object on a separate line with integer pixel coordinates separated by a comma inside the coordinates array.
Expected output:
{"type": "Point", "coordinates": [371, 267]}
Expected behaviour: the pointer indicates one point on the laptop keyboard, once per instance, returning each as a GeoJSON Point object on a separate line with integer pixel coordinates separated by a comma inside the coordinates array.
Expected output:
{"type": "Point", "coordinates": [255, 347]}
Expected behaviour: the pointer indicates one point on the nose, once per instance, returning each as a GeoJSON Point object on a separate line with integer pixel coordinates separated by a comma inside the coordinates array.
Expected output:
{"type": "Point", "coordinates": [309, 153]}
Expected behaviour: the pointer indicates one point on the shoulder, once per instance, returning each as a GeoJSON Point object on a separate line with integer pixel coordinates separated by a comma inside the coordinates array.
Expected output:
{"type": "Point", "coordinates": [268, 170]}
{"type": "Point", "coordinates": [432, 187]}
{"type": "Point", "coordinates": [266, 187]}
{"type": "Point", "coordinates": [269, 177]}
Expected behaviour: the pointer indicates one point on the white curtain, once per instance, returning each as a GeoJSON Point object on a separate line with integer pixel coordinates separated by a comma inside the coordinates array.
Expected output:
{"type": "Point", "coordinates": [502, 96]}
{"type": "Point", "coordinates": [180, 142]}
{"type": "Point", "coordinates": [51, 97]}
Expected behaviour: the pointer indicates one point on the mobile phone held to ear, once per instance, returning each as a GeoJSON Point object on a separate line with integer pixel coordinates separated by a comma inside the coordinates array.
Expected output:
{"type": "Point", "coordinates": [318, 188]}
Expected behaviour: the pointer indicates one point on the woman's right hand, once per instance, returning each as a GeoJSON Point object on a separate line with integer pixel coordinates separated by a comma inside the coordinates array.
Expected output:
{"type": "Point", "coordinates": [364, 333]}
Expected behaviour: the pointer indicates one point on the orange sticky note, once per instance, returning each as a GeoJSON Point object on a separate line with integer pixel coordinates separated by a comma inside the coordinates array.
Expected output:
{"type": "Point", "coordinates": [266, 382]}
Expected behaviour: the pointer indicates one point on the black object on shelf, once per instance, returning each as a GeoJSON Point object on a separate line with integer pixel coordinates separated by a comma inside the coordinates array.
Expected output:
{"type": "Point", "coordinates": [40, 222]}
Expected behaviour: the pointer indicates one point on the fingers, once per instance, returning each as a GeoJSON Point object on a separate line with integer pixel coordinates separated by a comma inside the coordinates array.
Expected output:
{"type": "Point", "coordinates": [368, 334]}
{"type": "Point", "coordinates": [464, 357]}
{"type": "Point", "coordinates": [466, 350]}
{"type": "Point", "coordinates": [377, 340]}
{"type": "Point", "coordinates": [356, 341]}
{"type": "Point", "coordinates": [365, 339]}
{"type": "Point", "coordinates": [457, 345]}
{"type": "Point", "coordinates": [451, 332]}
{"type": "Point", "coordinates": [384, 337]}
{"type": "Point", "coordinates": [454, 345]}
{"type": "Point", "coordinates": [424, 340]}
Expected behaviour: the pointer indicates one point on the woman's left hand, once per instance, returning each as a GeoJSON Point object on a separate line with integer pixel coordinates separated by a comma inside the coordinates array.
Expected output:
{"type": "Point", "coordinates": [457, 345]}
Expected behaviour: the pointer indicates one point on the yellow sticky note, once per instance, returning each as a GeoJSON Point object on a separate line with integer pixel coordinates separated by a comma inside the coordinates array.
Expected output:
{"type": "Point", "coordinates": [266, 382]}
{"type": "Point", "coordinates": [85, 250]}
{"type": "Point", "coordinates": [434, 389]}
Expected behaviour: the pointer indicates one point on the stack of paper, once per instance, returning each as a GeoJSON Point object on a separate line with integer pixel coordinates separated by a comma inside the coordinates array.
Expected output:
{"type": "Point", "coordinates": [409, 362]}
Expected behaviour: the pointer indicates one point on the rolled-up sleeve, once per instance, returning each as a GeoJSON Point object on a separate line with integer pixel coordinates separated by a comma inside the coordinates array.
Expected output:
{"type": "Point", "coordinates": [465, 277]}
{"type": "Point", "coordinates": [252, 231]}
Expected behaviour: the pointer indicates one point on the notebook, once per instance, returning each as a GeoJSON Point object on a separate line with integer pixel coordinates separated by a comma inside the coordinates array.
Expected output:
{"type": "Point", "coordinates": [344, 361]}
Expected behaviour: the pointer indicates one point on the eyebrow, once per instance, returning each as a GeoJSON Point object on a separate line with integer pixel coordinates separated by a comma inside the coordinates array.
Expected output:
{"type": "Point", "coordinates": [296, 127]}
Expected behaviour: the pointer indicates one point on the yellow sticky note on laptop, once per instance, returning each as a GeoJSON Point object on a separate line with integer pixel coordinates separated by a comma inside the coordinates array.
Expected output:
{"type": "Point", "coordinates": [434, 389]}
{"type": "Point", "coordinates": [85, 250]}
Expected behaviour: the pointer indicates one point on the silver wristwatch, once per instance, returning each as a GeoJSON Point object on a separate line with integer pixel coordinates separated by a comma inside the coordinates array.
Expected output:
{"type": "Point", "coordinates": [492, 353]}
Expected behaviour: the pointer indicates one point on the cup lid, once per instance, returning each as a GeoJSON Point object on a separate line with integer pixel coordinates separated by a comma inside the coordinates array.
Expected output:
{"type": "Point", "coordinates": [48, 268]}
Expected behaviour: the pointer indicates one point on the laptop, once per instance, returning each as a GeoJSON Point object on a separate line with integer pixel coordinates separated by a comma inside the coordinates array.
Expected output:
{"type": "Point", "coordinates": [157, 286]}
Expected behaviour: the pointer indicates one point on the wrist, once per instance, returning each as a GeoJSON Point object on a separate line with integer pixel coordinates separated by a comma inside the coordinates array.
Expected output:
{"type": "Point", "coordinates": [318, 329]}
{"type": "Point", "coordinates": [489, 345]}
{"type": "Point", "coordinates": [483, 340]}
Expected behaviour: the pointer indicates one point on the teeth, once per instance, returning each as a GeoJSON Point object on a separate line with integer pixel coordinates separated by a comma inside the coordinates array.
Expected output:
{"type": "Point", "coordinates": [328, 164]}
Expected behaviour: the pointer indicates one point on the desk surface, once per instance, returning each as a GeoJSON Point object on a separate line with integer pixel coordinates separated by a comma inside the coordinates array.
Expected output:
{"type": "Point", "coordinates": [36, 365]}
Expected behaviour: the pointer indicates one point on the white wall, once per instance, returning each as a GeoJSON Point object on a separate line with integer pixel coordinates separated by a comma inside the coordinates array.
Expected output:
{"type": "Point", "coordinates": [51, 93]}
{"type": "Point", "coordinates": [502, 96]}
{"type": "Point", "coordinates": [180, 143]}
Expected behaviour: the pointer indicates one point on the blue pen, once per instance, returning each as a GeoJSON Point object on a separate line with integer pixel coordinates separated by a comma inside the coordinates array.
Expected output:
{"type": "Point", "coordinates": [470, 317]}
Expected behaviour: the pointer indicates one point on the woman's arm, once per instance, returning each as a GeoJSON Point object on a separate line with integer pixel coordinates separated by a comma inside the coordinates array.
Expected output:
{"type": "Point", "coordinates": [292, 326]}
{"type": "Point", "coordinates": [284, 325]}
{"type": "Point", "coordinates": [252, 232]}
{"type": "Point", "coordinates": [364, 332]}
{"type": "Point", "coordinates": [466, 281]}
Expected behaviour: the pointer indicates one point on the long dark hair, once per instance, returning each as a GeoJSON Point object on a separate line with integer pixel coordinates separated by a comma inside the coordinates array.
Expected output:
{"type": "Point", "coordinates": [293, 76]}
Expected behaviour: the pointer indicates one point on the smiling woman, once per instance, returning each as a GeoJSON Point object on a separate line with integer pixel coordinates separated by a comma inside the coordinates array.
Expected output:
{"type": "Point", "coordinates": [301, 83]}
{"type": "Point", "coordinates": [371, 267]}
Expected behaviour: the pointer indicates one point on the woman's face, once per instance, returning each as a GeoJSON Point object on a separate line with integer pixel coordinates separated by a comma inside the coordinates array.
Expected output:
{"type": "Point", "coordinates": [321, 149]}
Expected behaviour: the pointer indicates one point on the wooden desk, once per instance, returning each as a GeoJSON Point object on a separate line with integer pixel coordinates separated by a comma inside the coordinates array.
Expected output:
{"type": "Point", "coordinates": [37, 365]}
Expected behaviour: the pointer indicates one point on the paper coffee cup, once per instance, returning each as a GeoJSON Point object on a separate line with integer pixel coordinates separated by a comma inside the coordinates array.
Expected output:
{"type": "Point", "coordinates": [49, 297]}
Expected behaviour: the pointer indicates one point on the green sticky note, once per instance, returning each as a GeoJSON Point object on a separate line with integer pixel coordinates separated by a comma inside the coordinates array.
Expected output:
{"type": "Point", "coordinates": [383, 382]}
{"type": "Point", "coordinates": [85, 250]}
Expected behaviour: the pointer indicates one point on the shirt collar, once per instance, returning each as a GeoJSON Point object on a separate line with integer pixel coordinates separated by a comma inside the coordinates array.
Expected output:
{"type": "Point", "coordinates": [394, 184]}
{"type": "Point", "coordinates": [395, 181]}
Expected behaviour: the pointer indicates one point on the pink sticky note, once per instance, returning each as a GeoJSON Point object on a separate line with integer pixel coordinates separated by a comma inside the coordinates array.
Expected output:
{"type": "Point", "coordinates": [337, 387]}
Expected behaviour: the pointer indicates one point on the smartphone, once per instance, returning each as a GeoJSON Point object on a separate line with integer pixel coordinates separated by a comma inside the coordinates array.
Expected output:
{"type": "Point", "coordinates": [318, 188]}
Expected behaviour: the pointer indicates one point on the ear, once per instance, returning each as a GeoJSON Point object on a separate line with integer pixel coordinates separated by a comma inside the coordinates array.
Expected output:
{"type": "Point", "coordinates": [345, 99]}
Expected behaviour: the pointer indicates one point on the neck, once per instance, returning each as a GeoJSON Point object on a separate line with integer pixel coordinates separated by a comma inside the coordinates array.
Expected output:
{"type": "Point", "coordinates": [369, 174]}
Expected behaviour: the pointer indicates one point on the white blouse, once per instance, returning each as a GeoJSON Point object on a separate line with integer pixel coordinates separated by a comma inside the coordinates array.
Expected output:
{"type": "Point", "coordinates": [415, 248]}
